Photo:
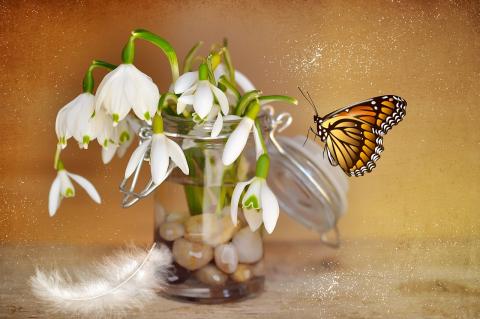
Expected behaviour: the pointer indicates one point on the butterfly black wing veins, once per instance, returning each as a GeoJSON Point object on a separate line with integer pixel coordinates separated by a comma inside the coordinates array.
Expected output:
{"type": "Point", "coordinates": [353, 135]}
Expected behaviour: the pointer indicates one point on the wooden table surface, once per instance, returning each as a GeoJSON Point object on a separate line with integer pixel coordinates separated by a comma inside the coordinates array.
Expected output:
{"type": "Point", "coordinates": [362, 279]}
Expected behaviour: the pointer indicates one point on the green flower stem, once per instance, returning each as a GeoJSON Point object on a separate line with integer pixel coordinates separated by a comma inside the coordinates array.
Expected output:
{"type": "Point", "coordinates": [263, 166]}
{"type": "Point", "coordinates": [229, 85]}
{"type": "Point", "coordinates": [260, 135]}
{"type": "Point", "coordinates": [253, 110]}
{"type": "Point", "coordinates": [88, 83]}
{"type": "Point", "coordinates": [164, 99]}
{"type": "Point", "coordinates": [203, 72]}
{"type": "Point", "coordinates": [278, 98]}
{"type": "Point", "coordinates": [56, 158]}
{"type": "Point", "coordinates": [128, 53]}
{"type": "Point", "coordinates": [157, 125]}
{"type": "Point", "coordinates": [194, 196]}
{"type": "Point", "coordinates": [187, 63]}
{"type": "Point", "coordinates": [245, 101]}
{"type": "Point", "coordinates": [212, 63]}
{"type": "Point", "coordinates": [228, 62]}
{"type": "Point", "coordinates": [60, 166]}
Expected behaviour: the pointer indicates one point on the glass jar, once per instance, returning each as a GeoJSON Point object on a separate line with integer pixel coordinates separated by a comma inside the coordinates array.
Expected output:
{"type": "Point", "coordinates": [214, 260]}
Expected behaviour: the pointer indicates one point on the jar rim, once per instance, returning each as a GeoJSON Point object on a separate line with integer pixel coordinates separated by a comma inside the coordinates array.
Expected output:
{"type": "Point", "coordinates": [204, 130]}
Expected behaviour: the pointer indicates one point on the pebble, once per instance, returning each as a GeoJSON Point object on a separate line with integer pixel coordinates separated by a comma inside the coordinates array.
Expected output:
{"type": "Point", "coordinates": [160, 214]}
{"type": "Point", "coordinates": [243, 273]}
{"type": "Point", "coordinates": [179, 217]}
{"type": "Point", "coordinates": [210, 229]}
{"type": "Point", "coordinates": [253, 218]}
{"type": "Point", "coordinates": [171, 230]}
{"type": "Point", "coordinates": [226, 258]}
{"type": "Point", "coordinates": [191, 255]}
{"type": "Point", "coordinates": [249, 245]}
{"type": "Point", "coordinates": [211, 275]}
{"type": "Point", "coordinates": [259, 269]}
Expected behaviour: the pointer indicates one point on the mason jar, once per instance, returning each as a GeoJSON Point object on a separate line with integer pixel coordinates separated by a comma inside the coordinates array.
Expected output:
{"type": "Point", "coordinates": [214, 260]}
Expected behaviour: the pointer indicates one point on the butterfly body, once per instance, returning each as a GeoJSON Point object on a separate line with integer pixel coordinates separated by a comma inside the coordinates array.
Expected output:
{"type": "Point", "coordinates": [353, 135]}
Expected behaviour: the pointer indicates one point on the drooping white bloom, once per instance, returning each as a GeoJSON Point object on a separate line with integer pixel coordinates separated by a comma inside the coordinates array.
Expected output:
{"type": "Point", "coordinates": [120, 139]}
{"type": "Point", "coordinates": [258, 203]}
{"type": "Point", "coordinates": [217, 117]}
{"type": "Point", "coordinates": [237, 140]}
{"type": "Point", "coordinates": [124, 89]}
{"type": "Point", "coordinates": [83, 127]}
{"type": "Point", "coordinates": [198, 93]}
{"type": "Point", "coordinates": [75, 119]}
{"type": "Point", "coordinates": [161, 150]}
{"type": "Point", "coordinates": [62, 187]}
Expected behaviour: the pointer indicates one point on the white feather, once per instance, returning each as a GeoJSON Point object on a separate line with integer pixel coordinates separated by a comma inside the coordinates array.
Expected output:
{"type": "Point", "coordinates": [128, 280]}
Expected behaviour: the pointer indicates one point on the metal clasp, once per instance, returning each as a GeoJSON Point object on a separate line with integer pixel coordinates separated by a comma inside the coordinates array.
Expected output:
{"type": "Point", "coordinates": [130, 196]}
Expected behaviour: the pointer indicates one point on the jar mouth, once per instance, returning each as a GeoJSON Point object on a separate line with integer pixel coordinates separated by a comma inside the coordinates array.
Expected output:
{"type": "Point", "coordinates": [177, 126]}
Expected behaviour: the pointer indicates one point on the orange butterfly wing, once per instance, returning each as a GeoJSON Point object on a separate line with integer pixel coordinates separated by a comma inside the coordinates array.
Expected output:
{"type": "Point", "coordinates": [354, 134]}
{"type": "Point", "coordinates": [382, 112]}
{"type": "Point", "coordinates": [352, 144]}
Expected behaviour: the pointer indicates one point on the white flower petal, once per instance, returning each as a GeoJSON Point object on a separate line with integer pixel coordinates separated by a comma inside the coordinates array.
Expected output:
{"type": "Point", "coordinates": [183, 101]}
{"type": "Point", "coordinates": [219, 71]}
{"type": "Point", "coordinates": [253, 191]}
{"type": "Point", "coordinates": [237, 192]}
{"type": "Point", "coordinates": [65, 184]}
{"type": "Point", "coordinates": [108, 152]}
{"type": "Point", "coordinates": [253, 218]}
{"type": "Point", "coordinates": [243, 82]}
{"type": "Point", "coordinates": [136, 158]}
{"type": "Point", "coordinates": [237, 141]}
{"type": "Point", "coordinates": [158, 158]}
{"type": "Point", "coordinates": [203, 99]}
{"type": "Point", "coordinates": [133, 123]}
{"type": "Point", "coordinates": [104, 129]}
{"type": "Point", "coordinates": [145, 100]}
{"type": "Point", "coordinates": [122, 149]}
{"type": "Point", "coordinates": [87, 186]}
{"type": "Point", "coordinates": [258, 143]}
{"type": "Point", "coordinates": [177, 155]}
{"type": "Point", "coordinates": [185, 81]}
{"type": "Point", "coordinates": [221, 98]}
{"type": "Point", "coordinates": [231, 117]}
{"type": "Point", "coordinates": [83, 124]}
{"type": "Point", "coordinates": [217, 126]}
{"type": "Point", "coordinates": [270, 208]}
{"type": "Point", "coordinates": [54, 197]}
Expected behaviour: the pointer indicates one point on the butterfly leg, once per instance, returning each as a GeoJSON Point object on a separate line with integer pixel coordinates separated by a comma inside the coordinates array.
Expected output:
{"type": "Point", "coordinates": [308, 132]}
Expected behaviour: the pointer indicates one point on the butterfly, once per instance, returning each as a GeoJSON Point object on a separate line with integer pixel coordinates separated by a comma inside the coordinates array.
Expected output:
{"type": "Point", "coordinates": [353, 135]}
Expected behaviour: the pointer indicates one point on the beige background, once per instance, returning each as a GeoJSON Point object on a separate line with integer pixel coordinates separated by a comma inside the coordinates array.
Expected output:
{"type": "Point", "coordinates": [425, 185]}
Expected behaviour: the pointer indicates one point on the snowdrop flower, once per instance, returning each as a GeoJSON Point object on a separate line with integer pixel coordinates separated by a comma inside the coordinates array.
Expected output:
{"type": "Point", "coordinates": [83, 127]}
{"type": "Point", "coordinates": [259, 204]}
{"type": "Point", "coordinates": [64, 123]}
{"type": "Point", "coordinates": [62, 187]}
{"type": "Point", "coordinates": [161, 150]}
{"type": "Point", "coordinates": [119, 138]}
{"type": "Point", "coordinates": [216, 113]}
{"type": "Point", "coordinates": [196, 90]}
{"type": "Point", "coordinates": [75, 119]}
{"type": "Point", "coordinates": [127, 88]}
{"type": "Point", "coordinates": [238, 139]}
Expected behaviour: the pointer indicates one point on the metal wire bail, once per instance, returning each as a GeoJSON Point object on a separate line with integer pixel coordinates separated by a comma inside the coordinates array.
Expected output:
{"type": "Point", "coordinates": [130, 197]}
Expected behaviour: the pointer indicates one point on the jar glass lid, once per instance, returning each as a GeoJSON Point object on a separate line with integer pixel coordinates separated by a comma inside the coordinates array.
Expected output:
{"type": "Point", "coordinates": [308, 187]}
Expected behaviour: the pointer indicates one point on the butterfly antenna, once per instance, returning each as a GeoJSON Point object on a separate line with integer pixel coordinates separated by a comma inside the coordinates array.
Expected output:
{"type": "Point", "coordinates": [309, 100]}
